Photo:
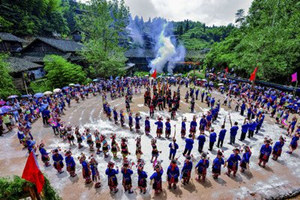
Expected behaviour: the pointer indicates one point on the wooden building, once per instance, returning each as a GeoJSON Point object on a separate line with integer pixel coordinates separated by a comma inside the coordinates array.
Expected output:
{"type": "Point", "coordinates": [10, 43]}
{"type": "Point", "coordinates": [41, 46]}
{"type": "Point", "coordinates": [21, 69]}
{"type": "Point", "coordinates": [139, 59]}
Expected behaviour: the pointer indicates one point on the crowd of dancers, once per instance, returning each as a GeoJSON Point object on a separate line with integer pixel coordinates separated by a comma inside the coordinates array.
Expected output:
{"type": "Point", "coordinates": [253, 102]}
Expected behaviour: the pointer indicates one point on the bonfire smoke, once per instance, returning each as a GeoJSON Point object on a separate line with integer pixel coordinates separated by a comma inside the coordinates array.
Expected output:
{"type": "Point", "coordinates": [135, 32]}
{"type": "Point", "coordinates": [167, 52]}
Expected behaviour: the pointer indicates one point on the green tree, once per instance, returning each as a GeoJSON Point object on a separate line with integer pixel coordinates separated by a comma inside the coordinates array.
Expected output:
{"type": "Point", "coordinates": [7, 86]}
{"type": "Point", "coordinates": [32, 17]}
{"type": "Point", "coordinates": [272, 43]}
{"type": "Point", "coordinates": [60, 72]}
{"type": "Point", "coordinates": [187, 26]}
{"type": "Point", "coordinates": [104, 22]}
{"type": "Point", "coordinates": [239, 15]}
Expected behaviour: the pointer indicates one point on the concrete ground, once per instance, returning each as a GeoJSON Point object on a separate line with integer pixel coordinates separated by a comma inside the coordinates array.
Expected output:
{"type": "Point", "coordinates": [278, 179]}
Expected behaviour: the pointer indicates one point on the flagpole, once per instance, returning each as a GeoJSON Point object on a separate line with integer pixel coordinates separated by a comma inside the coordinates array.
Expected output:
{"type": "Point", "coordinates": [295, 88]}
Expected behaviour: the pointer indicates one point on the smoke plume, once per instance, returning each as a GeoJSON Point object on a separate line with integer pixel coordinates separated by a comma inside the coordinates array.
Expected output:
{"type": "Point", "coordinates": [167, 53]}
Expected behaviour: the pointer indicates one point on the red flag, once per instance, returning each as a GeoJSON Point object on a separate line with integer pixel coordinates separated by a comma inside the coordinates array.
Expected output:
{"type": "Point", "coordinates": [226, 69]}
{"type": "Point", "coordinates": [32, 173]}
{"type": "Point", "coordinates": [252, 77]}
{"type": "Point", "coordinates": [154, 74]}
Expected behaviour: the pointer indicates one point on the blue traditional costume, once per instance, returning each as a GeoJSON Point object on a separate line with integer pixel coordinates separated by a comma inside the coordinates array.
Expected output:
{"type": "Point", "coordinates": [70, 164]}
{"type": "Point", "coordinates": [159, 129]}
{"type": "Point", "coordinates": [217, 164]}
{"type": "Point", "coordinates": [112, 179]}
{"type": "Point", "coordinates": [58, 161]}
{"type": "Point", "coordinates": [202, 166]}
{"type": "Point", "coordinates": [156, 176]}
{"type": "Point", "coordinates": [277, 149]}
{"type": "Point", "coordinates": [173, 174]}
{"type": "Point", "coordinates": [186, 170]}
{"type": "Point", "coordinates": [127, 182]}
{"type": "Point", "coordinates": [233, 162]}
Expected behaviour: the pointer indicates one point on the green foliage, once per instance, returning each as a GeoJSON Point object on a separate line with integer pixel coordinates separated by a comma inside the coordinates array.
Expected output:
{"type": "Point", "coordinates": [60, 72]}
{"type": "Point", "coordinates": [32, 17]}
{"type": "Point", "coordinates": [69, 13]}
{"type": "Point", "coordinates": [49, 192]}
{"type": "Point", "coordinates": [197, 36]}
{"type": "Point", "coordinates": [198, 74]}
{"type": "Point", "coordinates": [41, 85]}
{"type": "Point", "coordinates": [141, 74]}
{"type": "Point", "coordinates": [87, 81]}
{"type": "Point", "coordinates": [7, 86]}
{"type": "Point", "coordinates": [104, 21]}
{"type": "Point", "coordinates": [268, 38]}
{"type": "Point", "coordinates": [11, 189]}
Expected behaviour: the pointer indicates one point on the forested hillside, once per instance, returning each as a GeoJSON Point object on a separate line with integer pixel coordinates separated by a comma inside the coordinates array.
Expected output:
{"type": "Point", "coordinates": [197, 36]}
{"type": "Point", "coordinates": [268, 38]}
{"type": "Point", "coordinates": [37, 17]}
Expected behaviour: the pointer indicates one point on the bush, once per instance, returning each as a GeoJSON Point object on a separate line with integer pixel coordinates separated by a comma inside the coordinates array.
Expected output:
{"type": "Point", "coordinates": [13, 188]}
{"type": "Point", "coordinates": [60, 72]}
{"type": "Point", "coordinates": [141, 74]}
{"type": "Point", "coordinates": [41, 85]}
{"type": "Point", "coordinates": [7, 86]}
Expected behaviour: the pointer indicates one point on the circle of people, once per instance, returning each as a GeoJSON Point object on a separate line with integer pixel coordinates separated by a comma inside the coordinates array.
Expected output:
{"type": "Point", "coordinates": [251, 100]}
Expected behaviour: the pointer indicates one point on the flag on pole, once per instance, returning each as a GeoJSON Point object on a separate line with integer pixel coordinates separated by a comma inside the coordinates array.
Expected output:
{"type": "Point", "coordinates": [252, 77]}
{"type": "Point", "coordinates": [226, 69]}
{"type": "Point", "coordinates": [33, 174]}
{"type": "Point", "coordinates": [154, 74]}
{"type": "Point", "coordinates": [226, 72]}
{"type": "Point", "coordinates": [294, 77]}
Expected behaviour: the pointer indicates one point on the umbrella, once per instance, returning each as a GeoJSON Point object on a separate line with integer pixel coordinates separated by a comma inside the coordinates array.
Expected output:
{"type": "Point", "coordinates": [48, 93]}
{"type": "Point", "coordinates": [220, 84]}
{"type": "Point", "coordinates": [77, 85]}
{"type": "Point", "coordinates": [5, 109]}
{"type": "Point", "coordinates": [199, 79]}
{"type": "Point", "coordinates": [57, 90]}
{"type": "Point", "coordinates": [71, 84]}
{"type": "Point", "coordinates": [12, 97]}
{"type": "Point", "coordinates": [204, 80]}
{"type": "Point", "coordinates": [2, 103]}
{"type": "Point", "coordinates": [95, 80]}
{"type": "Point", "coordinates": [66, 88]}
{"type": "Point", "coordinates": [26, 96]}
{"type": "Point", "coordinates": [38, 95]}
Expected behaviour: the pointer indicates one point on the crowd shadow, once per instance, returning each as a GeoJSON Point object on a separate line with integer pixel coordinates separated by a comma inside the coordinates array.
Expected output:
{"type": "Point", "coordinates": [220, 181]}
{"type": "Point", "coordinates": [282, 162]}
{"type": "Point", "coordinates": [162, 196]}
{"type": "Point", "coordinates": [89, 186]}
{"type": "Point", "coordinates": [260, 134]}
{"type": "Point", "coordinates": [206, 183]}
{"type": "Point", "coordinates": [224, 148]}
{"type": "Point", "coordinates": [246, 142]}
{"type": "Point", "coordinates": [294, 155]}
{"type": "Point", "coordinates": [177, 192]}
{"type": "Point", "coordinates": [74, 179]}
{"type": "Point", "coordinates": [247, 174]}
{"type": "Point", "coordinates": [62, 175]}
{"type": "Point", "coordinates": [190, 187]}
{"type": "Point", "coordinates": [253, 138]}
{"type": "Point", "coordinates": [238, 178]}
{"type": "Point", "coordinates": [267, 168]}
